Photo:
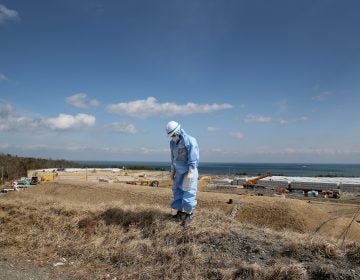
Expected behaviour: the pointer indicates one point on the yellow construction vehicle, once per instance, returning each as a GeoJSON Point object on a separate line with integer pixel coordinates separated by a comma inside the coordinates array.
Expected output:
{"type": "Point", "coordinates": [251, 183]}
{"type": "Point", "coordinates": [48, 177]}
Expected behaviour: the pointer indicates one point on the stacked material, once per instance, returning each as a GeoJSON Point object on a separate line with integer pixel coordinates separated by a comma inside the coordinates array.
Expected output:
{"type": "Point", "coordinates": [348, 187]}
{"type": "Point", "coordinates": [273, 183]}
{"type": "Point", "coordinates": [313, 183]}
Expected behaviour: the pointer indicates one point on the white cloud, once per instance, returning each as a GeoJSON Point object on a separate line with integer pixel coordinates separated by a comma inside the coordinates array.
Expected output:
{"type": "Point", "coordinates": [216, 150]}
{"type": "Point", "coordinates": [94, 103]}
{"type": "Point", "coordinates": [213, 129]}
{"type": "Point", "coordinates": [80, 100]}
{"type": "Point", "coordinates": [154, 150]}
{"type": "Point", "coordinates": [322, 96]}
{"type": "Point", "coordinates": [266, 119]}
{"type": "Point", "coordinates": [286, 121]}
{"type": "Point", "coordinates": [3, 78]}
{"type": "Point", "coordinates": [7, 14]}
{"type": "Point", "coordinates": [237, 135]}
{"type": "Point", "coordinates": [150, 107]}
{"type": "Point", "coordinates": [64, 121]}
{"type": "Point", "coordinates": [257, 118]}
{"type": "Point", "coordinates": [75, 148]}
{"type": "Point", "coordinates": [10, 120]}
{"type": "Point", "coordinates": [6, 111]}
{"type": "Point", "coordinates": [37, 147]}
{"type": "Point", "coordinates": [4, 145]}
{"type": "Point", "coordinates": [308, 151]}
{"type": "Point", "coordinates": [77, 100]}
{"type": "Point", "coordinates": [122, 127]}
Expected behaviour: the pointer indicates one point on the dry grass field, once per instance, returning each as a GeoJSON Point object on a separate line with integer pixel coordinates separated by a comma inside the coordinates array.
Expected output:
{"type": "Point", "coordinates": [91, 230]}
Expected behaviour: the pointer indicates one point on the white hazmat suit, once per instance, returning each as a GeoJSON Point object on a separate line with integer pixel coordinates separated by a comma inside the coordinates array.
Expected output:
{"type": "Point", "coordinates": [184, 160]}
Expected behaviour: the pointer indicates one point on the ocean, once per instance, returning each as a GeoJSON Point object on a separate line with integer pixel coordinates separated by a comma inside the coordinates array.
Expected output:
{"type": "Point", "coordinates": [249, 169]}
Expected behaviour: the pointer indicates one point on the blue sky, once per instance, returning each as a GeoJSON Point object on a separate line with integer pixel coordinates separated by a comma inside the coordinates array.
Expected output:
{"type": "Point", "coordinates": [253, 81]}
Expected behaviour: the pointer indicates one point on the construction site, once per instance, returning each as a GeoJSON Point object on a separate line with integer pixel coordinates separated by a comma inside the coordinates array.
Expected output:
{"type": "Point", "coordinates": [104, 223]}
{"type": "Point", "coordinates": [266, 184]}
{"type": "Point", "coordinates": [121, 175]}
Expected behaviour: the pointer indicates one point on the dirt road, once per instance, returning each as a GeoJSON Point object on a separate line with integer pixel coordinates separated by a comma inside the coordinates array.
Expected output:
{"type": "Point", "coordinates": [13, 270]}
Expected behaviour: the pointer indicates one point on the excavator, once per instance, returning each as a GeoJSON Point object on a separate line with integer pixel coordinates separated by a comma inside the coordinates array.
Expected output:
{"type": "Point", "coordinates": [251, 183]}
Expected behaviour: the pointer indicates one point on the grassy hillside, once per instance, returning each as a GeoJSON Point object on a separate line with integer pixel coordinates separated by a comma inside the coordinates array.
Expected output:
{"type": "Point", "coordinates": [103, 231]}
{"type": "Point", "coordinates": [12, 166]}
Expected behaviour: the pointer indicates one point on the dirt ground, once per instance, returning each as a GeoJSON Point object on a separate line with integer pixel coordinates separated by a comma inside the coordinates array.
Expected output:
{"type": "Point", "coordinates": [11, 269]}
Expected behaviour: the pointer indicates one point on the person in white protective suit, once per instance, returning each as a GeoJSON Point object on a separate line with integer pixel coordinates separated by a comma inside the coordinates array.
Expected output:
{"type": "Point", "coordinates": [184, 173]}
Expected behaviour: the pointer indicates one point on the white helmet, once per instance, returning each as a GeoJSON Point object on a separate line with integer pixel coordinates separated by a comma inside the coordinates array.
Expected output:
{"type": "Point", "coordinates": [172, 128]}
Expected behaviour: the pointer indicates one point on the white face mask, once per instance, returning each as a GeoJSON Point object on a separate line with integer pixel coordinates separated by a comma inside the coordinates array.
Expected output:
{"type": "Point", "coordinates": [175, 139]}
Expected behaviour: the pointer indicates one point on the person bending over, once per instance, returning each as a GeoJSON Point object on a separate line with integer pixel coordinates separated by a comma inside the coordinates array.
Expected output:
{"type": "Point", "coordinates": [184, 171]}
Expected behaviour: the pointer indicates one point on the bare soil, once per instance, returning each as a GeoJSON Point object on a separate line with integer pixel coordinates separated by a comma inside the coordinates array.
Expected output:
{"type": "Point", "coordinates": [17, 269]}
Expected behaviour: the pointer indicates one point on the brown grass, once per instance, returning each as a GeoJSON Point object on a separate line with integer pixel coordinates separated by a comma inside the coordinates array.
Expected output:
{"type": "Point", "coordinates": [291, 271]}
{"type": "Point", "coordinates": [106, 231]}
{"type": "Point", "coordinates": [279, 213]}
{"type": "Point", "coordinates": [353, 253]}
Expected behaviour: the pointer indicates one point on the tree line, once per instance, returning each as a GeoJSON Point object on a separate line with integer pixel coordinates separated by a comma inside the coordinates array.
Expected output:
{"type": "Point", "coordinates": [13, 166]}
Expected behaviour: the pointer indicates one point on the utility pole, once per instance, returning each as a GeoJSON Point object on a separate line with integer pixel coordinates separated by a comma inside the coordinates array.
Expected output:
{"type": "Point", "coordinates": [2, 174]}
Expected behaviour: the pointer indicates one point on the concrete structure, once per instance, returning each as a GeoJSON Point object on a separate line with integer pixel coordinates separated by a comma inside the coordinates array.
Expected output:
{"type": "Point", "coordinates": [314, 183]}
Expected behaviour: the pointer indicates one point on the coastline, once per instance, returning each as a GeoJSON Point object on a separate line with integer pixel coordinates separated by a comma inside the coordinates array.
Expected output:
{"type": "Point", "coordinates": [243, 169]}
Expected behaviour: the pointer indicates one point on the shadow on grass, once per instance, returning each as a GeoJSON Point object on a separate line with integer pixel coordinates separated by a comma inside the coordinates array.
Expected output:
{"type": "Point", "coordinates": [123, 218]}
{"type": "Point", "coordinates": [144, 218]}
